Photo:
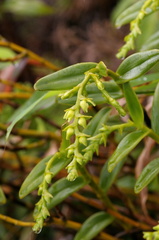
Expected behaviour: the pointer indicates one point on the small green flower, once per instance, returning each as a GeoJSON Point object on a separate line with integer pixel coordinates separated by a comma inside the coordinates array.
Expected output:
{"type": "Point", "coordinates": [72, 171]}
{"type": "Point", "coordinates": [83, 140]}
{"type": "Point", "coordinates": [82, 122]}
{"type": "Point", "coordinates": [69, 115]}
{"type": "Point", "coordinates": [70, 152]}
{"type": "Point", "coordinates": [84, 105]}
{"type": "Point", "coordinates": [48, 177]}
{"type": "Point", "coordinates": [69, 132]}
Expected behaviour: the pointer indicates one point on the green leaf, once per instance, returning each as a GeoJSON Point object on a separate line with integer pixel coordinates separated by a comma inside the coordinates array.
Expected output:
{"type": "Point", "coordinates": [96, 123]}
{"type": "Point", "coordinates": [136, 65]}
{"type": "Point", "coordinates": [152, 42]}
{"type": "Point", "coordinates": [129, 14]}
{"type": "Point", "coordinates": [27, 8]}
{"type": "Point", "coordinates": [120, 7]}
{"type": "Point", "coordinates": [63, 188]}
{"type": "Point", "coordinates": [145, 79]}
{"type": "Point", "coordinates": [147, 175]}
{"type": "Point", "coordinates": [35, 177]}
{"type": "Point", "coordinates": [107, 178]}
{"type": "Point", "coordinates": [127, 144]}
{"type": "Point", "coordinates": [133, 104]}
{"type": "Point", "coordinates": [93, 226]}
{"type": "Point", "coordinates": [64, 79]}
{"type": "Point", "coordinates": [155, 111]}
{"type": "Point", "coordinates": [126, 182]}
{"type": "Point", "coordinates": [2, 197]}
{"type": "Point", "coordinates": [35, 102]}
{"type": "Point", "coordinates": [148, 89]}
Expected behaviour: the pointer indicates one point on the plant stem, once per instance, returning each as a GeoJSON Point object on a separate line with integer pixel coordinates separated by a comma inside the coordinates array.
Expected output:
{"type": "Point", "coordinates": [31, 54]}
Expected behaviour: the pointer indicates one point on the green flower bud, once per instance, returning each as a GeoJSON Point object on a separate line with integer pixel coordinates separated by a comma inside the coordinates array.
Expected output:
{"type": "Point", "coordinates": [48, 177]}
{"type": "Point", "coordinates": [40, 190]}
{"type": "Point", "coordinates": [156, 227]}
{"type": "Point", "coordinates": [83, 140]}
{"type": "Point", "coordinates": [38, 225]}
{"type": "Point", "coordinates": [82, 122]}
{"type": "Point", "coordinates": [88, 156]}
{"type": "Point", "coordinates": [70, 152]}
{"type": "Point", "coordinates": [72, 171]}
{"type": "Point", "coordinates": [69, 133]}
{"type": "Point", "coordinates": [72, 175]}
{"type": "Point", "coordinates": [69, 114]}
{"type": "Point", "coordinates": [47, 196]}
{"type": "Point", "coordinates": [45, 212]}
{"type": "Point", "coordinates": [84, 105]}
{"type": "Point", "coordinates": [79, 160]}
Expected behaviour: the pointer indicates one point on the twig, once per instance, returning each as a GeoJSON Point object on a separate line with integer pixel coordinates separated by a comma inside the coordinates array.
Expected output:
{"type": "Point", "coordinates": [31, 54]}
{"type": "Point", "coordinates": [31, 133]}
{"type": "Point", "coordinates": [14, 95]}
{"type": "Point", "coordinates": [57, 221]}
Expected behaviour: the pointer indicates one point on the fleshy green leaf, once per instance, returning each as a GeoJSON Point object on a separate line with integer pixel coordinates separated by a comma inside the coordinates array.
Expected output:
{"type": "Point", "coordinates": [155, 111]}
{"type": "Point", "coordinates": [35, 177]}
{"type": "Point", "coordinates": [63, 188]}
{"type": "Point", "coordinates": [120, 7]}
{"type": "Point", "coordinates": [30, 106]}
{"type": "Point", "coordinates": [147, 89]}
{"type": "Point", "coordinates": [2, 197]}
{"type": "Point", "coordinates": [133, 104]}
{"type": "Point", "coordinates": [137, 64]}
{"type": "Point", "coordinates": [152, 42]}
{"type": "Point", "coordinates": [145, 79]}
{"type": "Point", "coordinates": [127, 144]}
{"type": "Point", "coordinates": [107, 178]}
{"type": "Point", "coordinates": [129, 14]}
{"type": "Point", "coordinates": [64, 79]}
{"type": "Point", "coordinates": [93, 226]}
{"type": "Point", "coordinates": [147, 175]}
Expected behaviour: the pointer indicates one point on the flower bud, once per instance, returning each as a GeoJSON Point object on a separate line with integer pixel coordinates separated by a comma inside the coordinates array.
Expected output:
{"type": "Point", "coordinates": [69, 114]}
{"type": "Point", "coordinates": [88, 156]}
{"type": "Point", "coordinates": [83, 140]}
{"type": "Point", "coordinates": [73, 174]}
{"type": "Point", "coordinates": [48, 177]}
{"type": "Point", "coordinates": [84, 105]}
{"type": "Point", "coordinates": [69, 133]}
{"type": "Point", "coordinates": [40, 190]}
{"type": "Point", "coordinates": [47, 196]}
{"type": "Point", "coordinates": [82, 122]}
{"type": "Point", "coordinates": [70, 152]}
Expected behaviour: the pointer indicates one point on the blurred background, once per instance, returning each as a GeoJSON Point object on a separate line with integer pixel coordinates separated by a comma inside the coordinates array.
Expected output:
{"type": "Point", "coordinates": [64, 31]}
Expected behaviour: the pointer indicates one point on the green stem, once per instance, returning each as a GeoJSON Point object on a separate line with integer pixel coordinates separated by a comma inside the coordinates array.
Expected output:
{"type": "Point", "coordinates": [113, 75]}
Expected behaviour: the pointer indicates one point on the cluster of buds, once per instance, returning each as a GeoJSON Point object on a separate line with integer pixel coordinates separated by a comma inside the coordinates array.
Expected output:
{"type": "Point", "coordinates": [77, 120]}
{"type": "Point", "coordinates": [41, 211]}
